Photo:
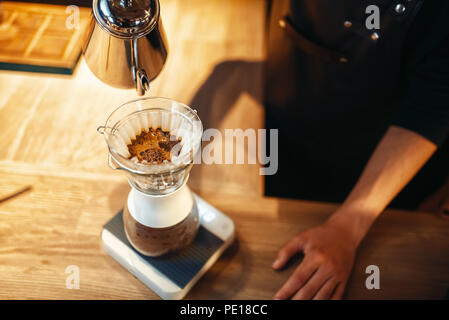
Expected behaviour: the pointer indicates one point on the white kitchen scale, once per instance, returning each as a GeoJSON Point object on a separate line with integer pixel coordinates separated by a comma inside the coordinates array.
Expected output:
{"type": "Point", "coordinates": [171, 276]}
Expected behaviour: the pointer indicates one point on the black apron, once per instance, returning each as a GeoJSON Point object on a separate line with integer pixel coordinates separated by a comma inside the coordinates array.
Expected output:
{"type": "Point", "coordinates": [331, 89]}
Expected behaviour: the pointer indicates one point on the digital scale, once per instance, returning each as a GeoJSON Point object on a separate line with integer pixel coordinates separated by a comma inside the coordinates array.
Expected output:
{"type": "Point", "coordinates": [171, 276]}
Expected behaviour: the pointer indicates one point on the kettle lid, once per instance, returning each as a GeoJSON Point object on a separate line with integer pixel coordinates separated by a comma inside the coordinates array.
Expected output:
{"type": "Point", "coordinates": [126, 18]}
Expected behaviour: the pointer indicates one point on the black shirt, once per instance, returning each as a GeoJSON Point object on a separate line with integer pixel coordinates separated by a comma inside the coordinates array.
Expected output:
{"type": "Point", "coordinates": [333, 91]}
{"type": "Point", "coordinates": [425, 104]}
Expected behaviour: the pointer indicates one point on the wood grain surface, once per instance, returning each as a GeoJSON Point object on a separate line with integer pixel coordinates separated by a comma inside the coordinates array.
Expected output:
{"type": "Point", "coordinates": [49, 141]}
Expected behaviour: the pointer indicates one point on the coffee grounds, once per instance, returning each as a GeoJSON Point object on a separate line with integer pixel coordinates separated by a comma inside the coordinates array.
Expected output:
{"type": "Point", "coordinates": [153, 146]}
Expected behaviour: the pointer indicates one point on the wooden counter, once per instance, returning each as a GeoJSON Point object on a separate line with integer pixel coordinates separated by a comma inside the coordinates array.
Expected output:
{"type": "Point", "coordinates": [49, 141]}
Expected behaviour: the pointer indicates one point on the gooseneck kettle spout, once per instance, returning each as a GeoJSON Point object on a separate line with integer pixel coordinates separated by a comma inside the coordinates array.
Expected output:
{"type": "Point", "coordinates": [126, 45]}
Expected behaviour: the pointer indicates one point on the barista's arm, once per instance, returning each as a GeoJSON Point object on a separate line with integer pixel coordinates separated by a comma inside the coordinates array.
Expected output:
{"type": "Point", "coordinates": [329, 249]}
{"type": "Point", "coordinates": [398, 157]}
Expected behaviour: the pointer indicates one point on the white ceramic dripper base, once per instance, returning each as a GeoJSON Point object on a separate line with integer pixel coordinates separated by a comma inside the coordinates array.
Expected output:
{"type": "Point", "coordinates": [160, 211]}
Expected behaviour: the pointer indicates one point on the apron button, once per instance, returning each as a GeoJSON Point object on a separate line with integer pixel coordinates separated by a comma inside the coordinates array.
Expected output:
{"type": "Point", "coordinates": [399, 8]}
{"type": "Point", "coordinates": [375, 36]}
{"type": "Point", "coordinates": [282, 23]}
{"type": "Point", "coordinates": [343, 60]}
{"type": "Point", "coordinates": [347, 24]}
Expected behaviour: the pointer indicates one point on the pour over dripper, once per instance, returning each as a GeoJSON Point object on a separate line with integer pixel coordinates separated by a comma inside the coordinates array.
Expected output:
{"type": "Point", "coordinates": [129, 119]}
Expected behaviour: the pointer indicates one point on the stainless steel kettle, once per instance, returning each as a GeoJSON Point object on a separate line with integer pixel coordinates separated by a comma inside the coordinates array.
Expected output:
{"type": "Point", "coordinates": [126, 46]}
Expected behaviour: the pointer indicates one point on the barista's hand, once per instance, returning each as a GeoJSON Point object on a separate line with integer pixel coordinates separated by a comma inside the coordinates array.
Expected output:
{"type": "Point", "coordinates": [329, 252]}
